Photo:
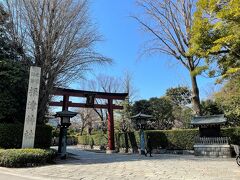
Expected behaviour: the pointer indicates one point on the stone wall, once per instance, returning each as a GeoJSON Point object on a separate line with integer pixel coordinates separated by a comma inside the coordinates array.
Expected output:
{"type": "Point", "coordinates": [212, 150]}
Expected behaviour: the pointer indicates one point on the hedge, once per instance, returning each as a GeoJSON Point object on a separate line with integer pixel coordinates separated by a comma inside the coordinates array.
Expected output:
{"type": "Point", "coordinates": [95, 139]}
{"type": "Point", "coordinates": [184, 138]}
{"type": "Point", "coordinates": [26, 157]}
{"type": "Point", "coordinates": [167, 139]}
{"type": "Point", "coordinates": [233, 133]}
{"type": "Point", "coordinates": [133, 139]}
{"type": "Point", "coordinates": [173, 139]}
{"type": "Point", "coordinates": [11, 136]}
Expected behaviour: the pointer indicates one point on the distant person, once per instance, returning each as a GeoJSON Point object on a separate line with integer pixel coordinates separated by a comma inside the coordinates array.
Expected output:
{"type": "Point", "coordinates": [149, 146]}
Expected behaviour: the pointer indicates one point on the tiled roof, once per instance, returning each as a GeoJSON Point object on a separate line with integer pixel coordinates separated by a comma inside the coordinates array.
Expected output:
{"type": "Point", "coordinates": [209, 120]}
{"type": "Point", "coordinates": [141, 115]}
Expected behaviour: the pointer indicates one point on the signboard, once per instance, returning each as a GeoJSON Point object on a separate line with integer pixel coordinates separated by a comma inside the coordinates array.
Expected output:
{"type": "Point", "coordinates": [31, 108]}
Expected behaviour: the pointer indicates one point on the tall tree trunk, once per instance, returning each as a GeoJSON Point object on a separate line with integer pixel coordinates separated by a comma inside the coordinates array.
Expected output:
{"type": "Point", "coordinates": [195, 96]}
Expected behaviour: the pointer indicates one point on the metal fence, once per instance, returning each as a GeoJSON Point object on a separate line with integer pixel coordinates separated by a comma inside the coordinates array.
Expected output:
{"type": "Point", "coordinates": [211, 140]}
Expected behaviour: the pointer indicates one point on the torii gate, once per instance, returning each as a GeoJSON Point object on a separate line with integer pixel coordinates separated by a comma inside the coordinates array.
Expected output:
{"type": "Point", "coordinates": [90, 99]}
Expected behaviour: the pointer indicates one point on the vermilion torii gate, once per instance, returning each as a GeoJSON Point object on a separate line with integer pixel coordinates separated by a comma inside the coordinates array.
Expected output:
{"type": "Point", "coordinates": [90, 99]}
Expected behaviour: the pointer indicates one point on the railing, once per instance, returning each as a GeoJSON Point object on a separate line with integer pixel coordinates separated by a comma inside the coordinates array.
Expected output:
{"type": "Point", "coordinates": [211, 140]}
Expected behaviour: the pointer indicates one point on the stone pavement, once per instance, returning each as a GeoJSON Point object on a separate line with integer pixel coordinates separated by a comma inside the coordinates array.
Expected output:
{"type": "Point", "coordinates": [90, 165]}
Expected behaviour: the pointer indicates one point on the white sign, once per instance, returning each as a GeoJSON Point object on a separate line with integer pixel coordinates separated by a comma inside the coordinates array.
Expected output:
{"type": "Point", "coordinates": [31, 108]}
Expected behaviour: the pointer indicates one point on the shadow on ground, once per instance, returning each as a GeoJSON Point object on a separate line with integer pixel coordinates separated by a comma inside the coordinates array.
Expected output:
{"type": "Point", "coordinates": [80, 157]}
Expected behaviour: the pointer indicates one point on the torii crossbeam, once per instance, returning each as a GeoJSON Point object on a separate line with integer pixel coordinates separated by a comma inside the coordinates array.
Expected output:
{"type": "Point", "coordinates": [90, 99]}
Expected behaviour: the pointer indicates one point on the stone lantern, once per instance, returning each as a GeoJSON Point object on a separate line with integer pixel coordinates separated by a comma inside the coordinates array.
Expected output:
{"type": "Point", "coordinates": [141, 122]}
{"type": "Point", "coordinates": [65, 123]}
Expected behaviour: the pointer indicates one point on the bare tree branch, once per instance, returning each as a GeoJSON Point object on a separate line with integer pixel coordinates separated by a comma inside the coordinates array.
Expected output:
{"type": "Point", "coordinates": [169, 25]}
{"type": "Point", "coordinates": [58, 36]}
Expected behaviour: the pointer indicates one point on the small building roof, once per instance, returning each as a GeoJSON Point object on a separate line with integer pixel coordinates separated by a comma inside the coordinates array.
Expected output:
{"type": "Point", "coordinates": [141, 115]}
{"type": "Point", "coordinates": [208, 120]}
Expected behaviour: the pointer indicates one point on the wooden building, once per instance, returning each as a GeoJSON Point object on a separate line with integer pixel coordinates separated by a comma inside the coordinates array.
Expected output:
{"type": "Point", "coordinates": [209, 126]}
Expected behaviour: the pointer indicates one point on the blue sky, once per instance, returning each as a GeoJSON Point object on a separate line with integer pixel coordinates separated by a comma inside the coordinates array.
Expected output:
{"type": "Point", "coordinates": [122, 41]}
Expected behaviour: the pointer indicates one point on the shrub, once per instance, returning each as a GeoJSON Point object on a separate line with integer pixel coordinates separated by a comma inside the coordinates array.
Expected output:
{"type": "Point", "coordinates": [26, 157]}
{"type": "Point", "coordinates": [233, 133]}
{"type": "Point", "coordinates": [11, 136]}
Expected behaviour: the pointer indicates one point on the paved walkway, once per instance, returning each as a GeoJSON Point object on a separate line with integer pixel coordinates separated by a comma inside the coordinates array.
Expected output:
{"type": "Point", "coordinates": [89, 165]}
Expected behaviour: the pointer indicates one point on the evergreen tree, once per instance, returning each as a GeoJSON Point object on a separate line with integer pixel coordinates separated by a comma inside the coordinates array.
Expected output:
{"type": "Point", "coordinates": [13, 75]}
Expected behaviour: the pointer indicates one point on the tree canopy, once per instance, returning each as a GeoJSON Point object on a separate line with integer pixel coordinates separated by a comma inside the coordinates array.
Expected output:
{"type": "Point", "coordinates": [216, 35]}
{"type": "Point", "coordinates": [228, 98]}
{"type": "Point", "coordinates": [180, 96]}
{"type": "Point", "coordinates": [13, 90]}
{"type": "Point", "coordinates": [13, 75]}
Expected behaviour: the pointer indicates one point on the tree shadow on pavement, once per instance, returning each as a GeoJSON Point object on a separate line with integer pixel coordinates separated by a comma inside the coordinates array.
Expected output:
{"type": "Point", "coordinates": [81, 157]}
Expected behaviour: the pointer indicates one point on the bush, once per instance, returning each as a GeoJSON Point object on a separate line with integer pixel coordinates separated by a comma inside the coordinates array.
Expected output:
{"type": "Point", "coordinates": [232, 133]}
{"type": "Point", "coordinates": [26, 157]}
{"type": "Point", "coordinates": [11, 136]}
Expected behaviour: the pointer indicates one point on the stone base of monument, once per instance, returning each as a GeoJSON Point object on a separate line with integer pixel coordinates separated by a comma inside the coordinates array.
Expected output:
{"type": "Point", "coordinates": [212, 150]}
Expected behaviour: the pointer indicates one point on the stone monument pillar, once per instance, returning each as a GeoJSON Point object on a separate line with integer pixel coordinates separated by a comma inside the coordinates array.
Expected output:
{"type": "Point", "coordinates": [31, 108]}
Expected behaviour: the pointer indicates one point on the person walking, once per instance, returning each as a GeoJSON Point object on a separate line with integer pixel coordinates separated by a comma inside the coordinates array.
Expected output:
{"type": "Point", "coordinates": [149, 146]}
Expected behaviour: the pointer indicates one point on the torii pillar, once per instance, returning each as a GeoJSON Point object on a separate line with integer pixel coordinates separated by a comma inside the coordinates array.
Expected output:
{"type": "Point", "coordinates": [111, 143]}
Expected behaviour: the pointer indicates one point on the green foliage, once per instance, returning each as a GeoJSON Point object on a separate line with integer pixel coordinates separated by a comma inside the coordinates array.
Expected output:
{"type": "Point", "coordinates": [233, 133]}
{"type": "Point", "coordinates": [167, 139]}
{"type": "Point", "coordinates": [162, 109]}
{"type": "Point", "coordinates": [26, 157]}
{"type": "Point", "coordinates": [13, 90]}
{"type": "Point", "coordinates": [167, 110]}
{"type": "Point", "coordinates": [216, 36]}
{"type": "Point", "coordinates": [184, 138]}
{"type": "Point", "coordinates": [142, 106]}
{"type": "Point", "coordinates": [97, 139]}
{"type": "Point", "coordinates": [11, 136]}
{"type": "Point", "coordinates": [179, 95]}
{"type": "Point", "coordinates": [182, 116]}
{"type": "Point", "coordinates": [132, 137]}
{"type": "Point", "coordinates": [228, 99]}
{"type": "Point", "coordinates": [13, 75]}
{"type": "Point", "coordinates": [210, 107]}
{"type": "Point", "coordinates": [173, 139]}
{"type": "Point", "coordinates": [198, 70]}
{"type": "Point", "coordinates": [180, 98]}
